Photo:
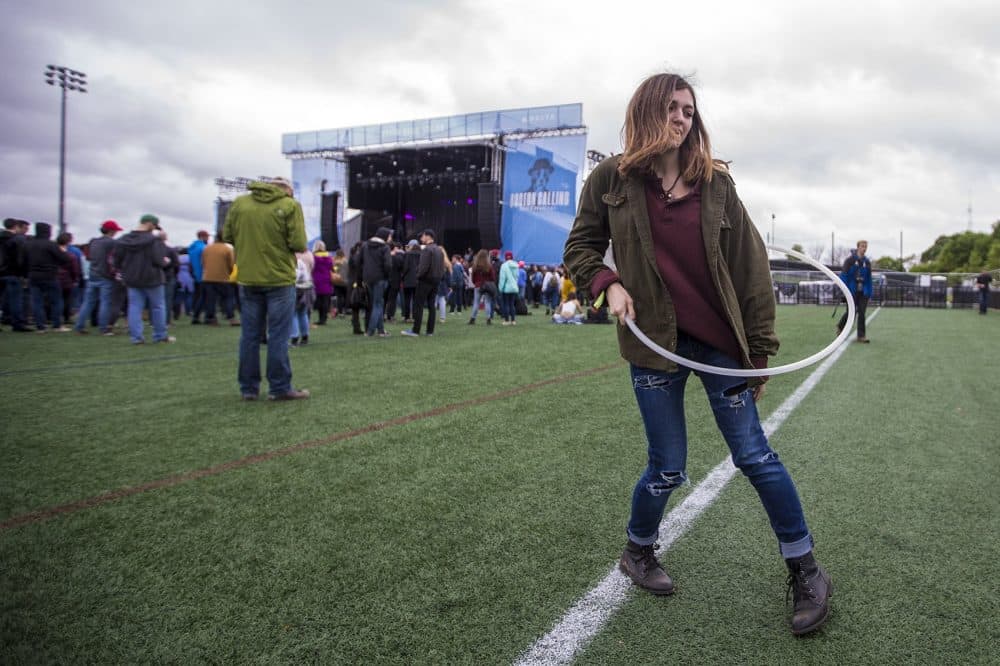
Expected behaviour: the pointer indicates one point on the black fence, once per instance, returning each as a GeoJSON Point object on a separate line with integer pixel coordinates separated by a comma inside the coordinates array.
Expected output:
{"type": "Point", "coordinates": [816, 289]}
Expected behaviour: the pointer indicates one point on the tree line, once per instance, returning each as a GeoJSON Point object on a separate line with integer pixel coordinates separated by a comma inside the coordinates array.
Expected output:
{"type": "Point", "coordinates": [964, 252]}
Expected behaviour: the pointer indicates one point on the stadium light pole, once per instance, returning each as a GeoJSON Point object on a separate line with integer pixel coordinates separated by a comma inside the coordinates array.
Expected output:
{"type": "Point", "coordinates": [67, 79]}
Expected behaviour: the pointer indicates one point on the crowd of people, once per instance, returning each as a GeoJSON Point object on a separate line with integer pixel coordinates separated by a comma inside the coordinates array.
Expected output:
{"type": "Point", "coordinates": [113, 283]}
{"type": "Point", "coordinates": [381, 281]}
{"type": "Point", "coordinates": [135, 277]}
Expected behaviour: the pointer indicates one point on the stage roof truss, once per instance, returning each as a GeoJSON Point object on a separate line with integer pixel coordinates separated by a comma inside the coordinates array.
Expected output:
{"type": "Point", "coordinates": [559, 120]}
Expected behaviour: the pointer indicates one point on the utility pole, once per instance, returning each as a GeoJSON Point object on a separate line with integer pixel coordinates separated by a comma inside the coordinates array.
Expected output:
{"type": "Point", "coordinates": [833, 256]}
{"type": "Point", "coordinates": [67, 79]}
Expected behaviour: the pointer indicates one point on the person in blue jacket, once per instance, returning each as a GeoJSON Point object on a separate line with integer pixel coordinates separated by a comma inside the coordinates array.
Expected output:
{"type": "Point", "coordinates": [857, 275]}
{"type": "Point", "coordinates": [194, 261]}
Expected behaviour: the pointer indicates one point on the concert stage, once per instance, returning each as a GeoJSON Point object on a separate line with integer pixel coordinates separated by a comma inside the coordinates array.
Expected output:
{"type": "Point", "coordinates": [499, 179]}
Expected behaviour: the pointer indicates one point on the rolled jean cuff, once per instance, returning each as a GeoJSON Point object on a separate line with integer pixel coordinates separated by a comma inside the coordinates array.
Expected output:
{"type": "Point", "coordinates": [642, 541]}
{"type": "Point", "coordinates": [796, 548]}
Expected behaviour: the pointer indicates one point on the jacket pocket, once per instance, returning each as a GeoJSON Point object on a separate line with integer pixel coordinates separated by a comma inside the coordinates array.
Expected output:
{"type": "Point", "coordinates": [613, 199]}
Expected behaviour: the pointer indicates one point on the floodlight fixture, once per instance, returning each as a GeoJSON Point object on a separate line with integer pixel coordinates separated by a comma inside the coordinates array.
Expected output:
{"type": "Point", "coordinates": [76, 81]}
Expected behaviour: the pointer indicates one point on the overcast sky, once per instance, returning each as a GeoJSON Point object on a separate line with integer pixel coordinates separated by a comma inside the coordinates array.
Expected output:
{"type": "Point", "coordinates": [861, 119]}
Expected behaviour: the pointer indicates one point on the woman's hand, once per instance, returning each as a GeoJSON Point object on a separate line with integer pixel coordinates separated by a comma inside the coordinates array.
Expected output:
{"type": "Point", "coordinates": [619, 302]}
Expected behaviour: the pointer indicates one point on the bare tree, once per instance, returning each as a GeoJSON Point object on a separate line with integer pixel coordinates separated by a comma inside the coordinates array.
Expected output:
{"type": "Point", "coordinates": [840, 253]}
{"type": "Point", "coordinates": [817, 250]}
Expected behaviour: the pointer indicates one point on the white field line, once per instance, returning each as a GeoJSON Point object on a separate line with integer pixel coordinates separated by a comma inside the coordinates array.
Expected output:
{"type": "Point", "coordinates": [587, 617]}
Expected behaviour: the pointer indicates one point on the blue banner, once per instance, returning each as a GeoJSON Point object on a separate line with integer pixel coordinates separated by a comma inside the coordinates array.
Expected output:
{"type": "Point", "coordinates": [540, 186]}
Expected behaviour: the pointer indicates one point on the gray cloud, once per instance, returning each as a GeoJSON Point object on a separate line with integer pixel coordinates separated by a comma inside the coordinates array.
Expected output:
{"type": "Point", "coordinates": [835, 116]}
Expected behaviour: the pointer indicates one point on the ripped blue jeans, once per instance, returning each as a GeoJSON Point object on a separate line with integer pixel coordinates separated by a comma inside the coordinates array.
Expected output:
{"type": "Point", "coordinates": [661, 403]}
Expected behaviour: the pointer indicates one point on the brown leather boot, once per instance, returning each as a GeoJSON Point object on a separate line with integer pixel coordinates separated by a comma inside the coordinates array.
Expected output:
{"type": "Point", "coordinates": [640, 564]}
{"type": "Point", "coordinates": [811, 588]}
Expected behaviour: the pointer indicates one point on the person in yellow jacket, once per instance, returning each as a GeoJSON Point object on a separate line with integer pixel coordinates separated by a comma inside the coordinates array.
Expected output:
{"type": "Point", "coordinates": [217, 264]}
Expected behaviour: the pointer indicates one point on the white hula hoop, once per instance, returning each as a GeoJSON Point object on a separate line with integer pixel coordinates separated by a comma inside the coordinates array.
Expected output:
{"type": "Point", "coordinates": [766, 372]}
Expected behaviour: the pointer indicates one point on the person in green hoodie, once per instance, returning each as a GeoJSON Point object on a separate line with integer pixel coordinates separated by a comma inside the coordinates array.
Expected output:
{"type": "Point", "coordinates": [692, 272]}
{"type": "Point", "coordinates": [266, 228]}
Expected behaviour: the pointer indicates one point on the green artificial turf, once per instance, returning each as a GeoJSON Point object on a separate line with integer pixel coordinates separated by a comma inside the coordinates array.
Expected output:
{"type": "Point", "coordinates": [492, 500]}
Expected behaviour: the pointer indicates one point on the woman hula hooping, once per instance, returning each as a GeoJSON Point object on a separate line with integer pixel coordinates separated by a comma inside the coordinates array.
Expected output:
{"type": "Point", "coordinates": [692, 271]}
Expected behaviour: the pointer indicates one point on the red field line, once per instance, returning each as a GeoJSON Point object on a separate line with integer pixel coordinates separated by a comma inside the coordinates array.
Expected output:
{"type": "Point", "coordinates": [122, 493]}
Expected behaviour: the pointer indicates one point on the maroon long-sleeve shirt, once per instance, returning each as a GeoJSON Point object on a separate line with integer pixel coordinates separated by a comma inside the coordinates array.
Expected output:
{"type": "Point", "coordinates": [679, 247]}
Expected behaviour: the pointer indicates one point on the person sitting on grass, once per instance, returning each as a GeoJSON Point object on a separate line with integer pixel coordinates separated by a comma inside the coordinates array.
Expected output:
{"type": "Point", "coordinates": [570, 311]}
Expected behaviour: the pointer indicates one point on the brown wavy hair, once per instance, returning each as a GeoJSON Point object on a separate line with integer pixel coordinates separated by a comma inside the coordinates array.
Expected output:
{"type": "Point", "coordinates": [647, 133]}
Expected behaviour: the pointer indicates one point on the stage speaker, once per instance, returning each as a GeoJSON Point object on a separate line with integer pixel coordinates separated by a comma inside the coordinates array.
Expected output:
{"type": "Point", "coordinates": [488, 215]}
{"type": "Point", "coordinates": [221, 208]}
{"type": "Point", "coordinates": [328, 220]}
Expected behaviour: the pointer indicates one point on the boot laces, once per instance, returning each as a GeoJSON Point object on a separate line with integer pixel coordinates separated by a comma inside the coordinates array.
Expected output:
{"type": "Point", "coordinates": [647, 558]}
{"type": "Point", "coordinates": [799, 587]}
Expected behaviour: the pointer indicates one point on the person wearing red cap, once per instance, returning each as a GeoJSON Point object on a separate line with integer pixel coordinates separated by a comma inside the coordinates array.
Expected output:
{"type": "Point", "coordinates": [508, 289]}
{"type": "Point", "coordinates": [100, 285]}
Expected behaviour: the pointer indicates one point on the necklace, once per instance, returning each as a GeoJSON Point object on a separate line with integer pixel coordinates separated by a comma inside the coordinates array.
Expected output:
{"type": "Point", "coordinates": [670, 191]}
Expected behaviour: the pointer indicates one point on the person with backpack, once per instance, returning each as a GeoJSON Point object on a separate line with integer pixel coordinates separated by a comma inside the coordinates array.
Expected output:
{"type": "Point", "coordinates": [857, 275]}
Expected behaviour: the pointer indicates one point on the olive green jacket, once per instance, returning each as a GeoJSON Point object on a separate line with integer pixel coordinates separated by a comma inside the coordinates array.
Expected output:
{"type": "Point", "coordinates": [614, 208]}
{"type": "Point", "coordinates": [266, 228]}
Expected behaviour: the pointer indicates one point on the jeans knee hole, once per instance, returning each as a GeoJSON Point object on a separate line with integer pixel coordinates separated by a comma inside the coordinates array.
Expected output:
{"type": "Point", "coordinates": [650, 382]}
{"type": "Point", "coordinates": [665, 482]}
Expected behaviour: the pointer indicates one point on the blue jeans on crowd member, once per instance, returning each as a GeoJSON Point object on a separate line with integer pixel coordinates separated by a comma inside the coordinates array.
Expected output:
{"type": "Point", "coordinates": [40, 291]}
{"type": "Point", "coordinates": [376, 323]}
{"type": "Point", "coordinates": [12, 301]}
{"type": "Point", "coordinates": [140, 298]}
{"type": "Point", "coordinates": [508, 306]}
{"type": "Point", "coordinates": [98, 293]}
{"type": "Point", "coordinates": [551, 298]}
{"type": "Point", "coordinates": [984, 299]}
{"type": "Point", "coordinates": [300, 322]}
{"type": "Point", "coordinates": [660, 396]}
{"type": "Point", "coordinates": [475, 303]}
{"type": "Point", "coordinates": [272, 307]}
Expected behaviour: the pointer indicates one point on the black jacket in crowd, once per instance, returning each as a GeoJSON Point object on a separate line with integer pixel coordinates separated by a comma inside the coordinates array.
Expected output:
{"type": "Point", "coordinates": [139, 257]}
{"type": "Point", "coordinates": [44, 256]}
{"type": "Point", "coordinates": [13, 246]}
{"type": "Point", "coordinates": [375, 262]}
{"type": "Point", "coordinates": [431, 267]}
{"type": "Point", "coordinates": [411, 261]}
{"type": "Point", "coordinates": [396, 269]}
